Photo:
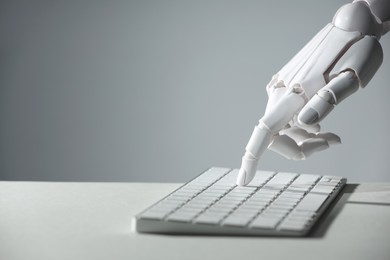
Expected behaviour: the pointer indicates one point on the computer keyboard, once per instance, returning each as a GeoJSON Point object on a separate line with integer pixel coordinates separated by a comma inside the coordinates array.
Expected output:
{"type": "Point", "coordinates": [274, 203]}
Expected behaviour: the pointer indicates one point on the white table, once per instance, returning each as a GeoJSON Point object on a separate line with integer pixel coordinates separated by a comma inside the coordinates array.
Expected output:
{"type": "Point", "coordinates": [71, 221]}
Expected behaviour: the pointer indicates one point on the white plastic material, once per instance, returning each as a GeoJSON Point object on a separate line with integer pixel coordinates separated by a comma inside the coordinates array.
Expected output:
{"type": "Point", "coordinates": [297, 144]}
{"type": "Point", "coordinates": [315, 110]}
{"type": "Point", "coordinates": [259, 141]}
{"type": "Point", "coordinates": [342, 86]}
{"type": "Point", "coordinates": [291, 150]}
{"type": "Point", "coordinates": [332, 94]}
{"type": "Point", "coordinates": [357, 17]}
{"type": "Point", "coordinates": [283, 111]}
{"type": "Point", "coordinates": [344, 54]}
{"type": "Point", "coordinates": [310, 66]}
{"type": "Point", "coordinates": [272, 122]}
{"type": "Point", "coordinates": [380, 8]}
{"type": "Point", "coordinates": [364, 58]}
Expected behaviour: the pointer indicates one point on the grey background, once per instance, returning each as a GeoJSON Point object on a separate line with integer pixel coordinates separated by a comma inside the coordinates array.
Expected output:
{"type": "Point", "coordinates": [161, 90]}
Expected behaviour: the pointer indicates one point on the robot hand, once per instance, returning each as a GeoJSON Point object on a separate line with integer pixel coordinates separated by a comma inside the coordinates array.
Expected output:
{"type": "Point", "coordinates": [344, 55]}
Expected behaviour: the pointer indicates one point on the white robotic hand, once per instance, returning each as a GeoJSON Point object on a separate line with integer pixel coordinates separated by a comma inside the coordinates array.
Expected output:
{"type": "Point", "coordinates": [280, 131]}
{"type": "Point", "coordinates": [344, 55]}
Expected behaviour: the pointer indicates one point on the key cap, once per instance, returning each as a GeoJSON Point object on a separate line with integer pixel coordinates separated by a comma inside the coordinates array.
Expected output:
{"type": "Point", "coordinates": [293, 225]}
{"type": "Point", "coordinates": [292, 194]}
{"type": "Point", "coordinates": [264, 222]}
{"type": "Point", "coordinates": [266, 194]}
{"type": "Point", "coordinates": [288, 200]}
{"type": "Point", "coordinates": [281, 206]}
{"type": "Point", "coordinates": [281, 180]}
{"type": "Point", "coordinates": [225, 210]}
{"type": "Point", "coordinates": [154, 214]}
{"type": "Point", "coordinates": [239, 221]}
{"type": "Point", "coordinates": [301, 218]}
{"type": "Point", "coordinates": [190, 210]}
{"type": "Point", "coordinates": [324, 190]}
{"type": "Point", "coordinates": [302, 214]}
{"type": "Point", "coordinates": [330, 178]}
{"type": "Point", "coordinates": [253, 206]}
{"type": "Point", "coordinates": [305, 179]}
{"type": "Point", "coordinates": [208, 219]}
{"type": "Point", "coordinates": [275, 213]}
{"type": "Point", "coordinates": [182, 216]}
{"type": "Point", "coordinates": [220, 214]}
{"type": "Point", "coordinates": [164, 208]}
{"type": "Point", "coordinates": [312, 202]}
{"type": "Point", "coordinates": [246, 211]}
{"type": "Point", "coordinates": [303, 183]}
{"type": "Point", "coordinates": [261, 178]}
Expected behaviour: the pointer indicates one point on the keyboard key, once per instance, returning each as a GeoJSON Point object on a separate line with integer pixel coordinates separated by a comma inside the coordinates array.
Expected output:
{"type": "Point", "coordinates": [233, 220]}
{"type": "Point", "coordinates": [323, 190]}
{"type": "Point", "coordinates": [261, 178]}
{"type": "Point", "coordinates": [253, 206]}
{"type": "Point", "coordinates": [302, 214]}
{"type": "Point", "coordinates": [292, 194]}
{"type": "Point", "coordinates": [293, 225]}
{"type": "Point", "coordinates": [208, 219]}
{"type": "Point", "coordinates": [182, 216]}
{"type": "Point", "coordinates": [281, 180]}
{"type": "Point", "coordinates": [275, 213]}
{"type": "Point", "coordinates": [265, 222]}
{"type": "Point", "coordinates": [154, 214]}
{"type": "Point", "coordinates": [312, 202]}
{"type": "Point", "coordinates": [300, 218]}
{"type": "Point", "coordinates": [247, 211]}
{"type": "Point", "coordinates": [306, 179]}
{"type": "Point", "coordinates": [219, 214]}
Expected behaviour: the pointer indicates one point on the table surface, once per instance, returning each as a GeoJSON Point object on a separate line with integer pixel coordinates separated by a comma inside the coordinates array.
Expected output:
{"type": "Point", "coordinates": [49, 220]}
